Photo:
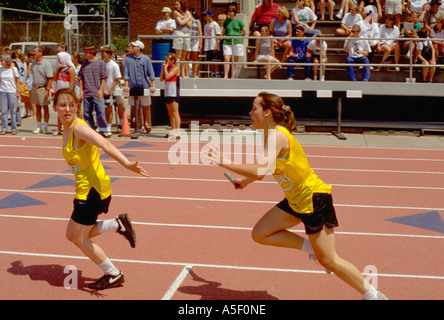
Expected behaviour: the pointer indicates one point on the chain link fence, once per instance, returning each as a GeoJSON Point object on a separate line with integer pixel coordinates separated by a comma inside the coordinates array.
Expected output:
{"type": "Point", "coordinates": [28, 26]}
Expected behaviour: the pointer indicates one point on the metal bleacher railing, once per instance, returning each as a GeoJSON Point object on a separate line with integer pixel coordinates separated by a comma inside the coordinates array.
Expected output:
{"type": "Point", "coordinates": [410, 66]}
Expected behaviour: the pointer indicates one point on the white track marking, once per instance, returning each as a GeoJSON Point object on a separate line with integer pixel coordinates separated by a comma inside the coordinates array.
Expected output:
{"type": "Point", "coordinates": [176, 284]}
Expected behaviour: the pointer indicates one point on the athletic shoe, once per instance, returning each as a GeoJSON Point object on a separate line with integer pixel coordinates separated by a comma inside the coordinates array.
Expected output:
{"type": "Point", "coordinates": [381, 296]}
{"type": "Point", "coordinates": [108, 281]}
{"type": "Point", "coordinates": [126, 228]}
{"type": "Point", "coordinates": [37, 131]}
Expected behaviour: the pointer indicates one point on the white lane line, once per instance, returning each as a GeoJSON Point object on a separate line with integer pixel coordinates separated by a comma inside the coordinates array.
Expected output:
{"type": "Point", "coordinates": [176, 284]}
{"type": "Point", "coordinates": [47, 255]}
{"type": "Point", "coordinates": [131, 196]}
{"type": "Point", "coordinates": [177, 225]}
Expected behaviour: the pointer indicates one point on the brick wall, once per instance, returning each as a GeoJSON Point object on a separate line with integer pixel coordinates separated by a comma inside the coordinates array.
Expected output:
{"type": "Point", "coordinates": [144, 15]}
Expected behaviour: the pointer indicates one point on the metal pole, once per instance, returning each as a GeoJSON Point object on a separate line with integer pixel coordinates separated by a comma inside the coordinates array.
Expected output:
{"type": "Point", "coordinates": [109, 21]}
{"type": "Point", "coordinates": [40, 28]}
{"type": "Point", "coordinates": [338, 133]}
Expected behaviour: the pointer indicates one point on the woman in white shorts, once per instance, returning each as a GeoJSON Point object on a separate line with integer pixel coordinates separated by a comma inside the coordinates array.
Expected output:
{"type": "Point", "coordinates": [232, 27]}
{"type": "Point", "coordinates": [182, 46]}
{"type": "Point", "coordinates": [395, 8]}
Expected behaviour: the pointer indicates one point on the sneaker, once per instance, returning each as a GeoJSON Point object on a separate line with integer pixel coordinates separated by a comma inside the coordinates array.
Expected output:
{"type": "Point", "coordinates": [126, 228]}
{"type": "Point", "coordinates": [37, 131]}
{"type": "Point", "coordinates": [106, 134]}
{"type": "Point", "coordinates": [381, 296]}
{"type": "Point", "coordinates": [108, 281]}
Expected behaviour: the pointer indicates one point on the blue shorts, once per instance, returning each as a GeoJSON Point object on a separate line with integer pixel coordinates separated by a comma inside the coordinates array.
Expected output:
{"type": "Point", "coordinates": [323, 213]}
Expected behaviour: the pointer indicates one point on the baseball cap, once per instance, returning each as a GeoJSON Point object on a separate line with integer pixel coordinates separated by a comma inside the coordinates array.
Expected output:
{"type": "Point", "coordinates": [138, 44]}
{"type": "Point", "coordinates": [208, 12]}
{"type": "Point", "coordinates": [166, 9]}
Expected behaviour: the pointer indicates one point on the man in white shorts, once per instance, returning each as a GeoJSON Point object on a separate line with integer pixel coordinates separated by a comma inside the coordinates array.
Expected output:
{"type": "Point", "coordinates": [139, 75]}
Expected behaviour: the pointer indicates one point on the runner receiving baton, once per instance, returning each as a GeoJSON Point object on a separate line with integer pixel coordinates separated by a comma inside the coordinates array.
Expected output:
{"type": "Point", "coordinates": [307, 198]}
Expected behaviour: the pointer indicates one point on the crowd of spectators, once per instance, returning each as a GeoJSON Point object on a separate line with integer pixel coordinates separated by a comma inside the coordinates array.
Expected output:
{"type": "Point", "coordinates": [27, 84]}
{"type": "Point", "coordinates": [376, 20]}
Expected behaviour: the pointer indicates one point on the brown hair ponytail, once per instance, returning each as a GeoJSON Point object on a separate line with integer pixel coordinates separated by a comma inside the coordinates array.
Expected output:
{"type": "Point", "coordinates": [282, 114]}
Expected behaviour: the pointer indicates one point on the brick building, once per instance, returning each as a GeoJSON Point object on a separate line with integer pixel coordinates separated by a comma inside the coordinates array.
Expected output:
{"type": "Point", "coordinates": [144, 14]}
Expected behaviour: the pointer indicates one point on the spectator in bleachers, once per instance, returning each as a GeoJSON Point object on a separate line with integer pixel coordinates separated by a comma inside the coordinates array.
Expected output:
{"type": "Point", "coordinates": [281, 27]}
{"type": "Point", "coordinates": [425, 55]}
{"type": "Point", "coordinates": [410, 29]}
{"type": "Point", "coordinates": [265, 51]}
{"type": "Point", "coordinates": [299, 54]}
{"type": "Point", "coordinates": [211, 45]}
{"type": "Point", "coordinates": [330, 4]}
{"type": "Point", "coordinates": [437, 35]}
{"type": "Point", "coordinates": [395, 8]}
{"type": "Point", "coordinates": [345, 6]}
{"type": "Point", "coordinates": [386, 46]}
{"type": "Point", "coordinates": [166, 26]}
{"type": "Point", "coordinates": [432, 15]}
{"type": "Point", "coordinates": [358, 50]}
{"type": "Point", "coordinates": [263, 15]}
{"type": "Point", "coordinates": [314, 51]}
{"type": "Point", "coordinates": [196, 43]}
{"type": "Point", "coordinates": [232, 47]}
{"type": "Point", "coordinates": [304, 16]}
{"type": "Point", "coordinates": [181, 44]}
{"type": "Point", "coordinates": [374, 3]}
{"type": "Point", "coordinates": [349, 20]}
{"type": "Point", "coordinates": [418, 6]}
{"type": "Point", "coordinates": [370, 30]}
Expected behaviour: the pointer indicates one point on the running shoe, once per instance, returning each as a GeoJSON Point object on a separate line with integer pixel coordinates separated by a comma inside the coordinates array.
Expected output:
{"type": "Point", "coordinates": [126, 228]}
{"type": "Point", "coordinates": [381, 296]}
{"type": "Point", "coordinates": [108, 281]}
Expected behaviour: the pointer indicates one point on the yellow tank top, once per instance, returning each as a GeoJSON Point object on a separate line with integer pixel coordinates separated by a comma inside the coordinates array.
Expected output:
{"type": "Point", "coordinates": [297, 179]}
{"type": "Point", "coordinates": [86, 166]}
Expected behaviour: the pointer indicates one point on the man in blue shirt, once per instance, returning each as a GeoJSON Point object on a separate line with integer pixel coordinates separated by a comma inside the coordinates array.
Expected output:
{"type": "Point", "coordinates": [139, 74]}
{"type": "Point", "coordinates": [299, 54]}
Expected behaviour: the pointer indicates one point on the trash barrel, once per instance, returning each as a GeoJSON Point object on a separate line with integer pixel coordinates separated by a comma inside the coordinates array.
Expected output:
{"type": "Point", "coordinates": [159, 50]}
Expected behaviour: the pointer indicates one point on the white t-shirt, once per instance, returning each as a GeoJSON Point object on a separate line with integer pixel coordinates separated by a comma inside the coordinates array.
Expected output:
{"type": "Point", "coordinates": [350, 20]}
{"type": "Point", "coordinates": [113, 71]}
{"type": "Point", "coordinates": [305, 15]}
{"type": "Point", "coordinates": [316, 49]}
{"type": "Point", "coordinates": [417, 5]}
{"type": "Point", "coordinates": [7, 79]}
{"type": "Point", "coordinates": [385, 32]}
{"type": "Point", "coordinates": [211, 29]}
{"type": "Point", "coordinates": [163, 24]}
{"type": "Point", "coordinates": [356, 45]}
{"type": "Point", "coordinates": [370, 31]}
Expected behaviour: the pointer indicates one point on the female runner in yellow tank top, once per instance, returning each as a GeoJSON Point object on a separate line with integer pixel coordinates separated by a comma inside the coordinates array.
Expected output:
{"type": "Point", "coordinates": [307, 197]}
{"type": "Point", "coordinates": [93, 188]}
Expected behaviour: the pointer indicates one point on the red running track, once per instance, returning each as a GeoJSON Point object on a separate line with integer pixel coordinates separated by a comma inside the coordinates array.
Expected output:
{"type": "Point", "coordinates": [193, 228]}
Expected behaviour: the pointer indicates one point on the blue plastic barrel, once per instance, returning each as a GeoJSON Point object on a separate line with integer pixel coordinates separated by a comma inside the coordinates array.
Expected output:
{"type": "Point", "coordinates": [159, 51]}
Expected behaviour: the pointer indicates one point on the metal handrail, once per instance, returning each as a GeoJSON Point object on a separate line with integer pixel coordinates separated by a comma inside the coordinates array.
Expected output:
{"type": "Point", "coordinates": [410, 65]}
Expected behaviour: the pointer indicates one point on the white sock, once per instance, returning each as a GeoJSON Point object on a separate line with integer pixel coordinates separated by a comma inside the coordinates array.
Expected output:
{"type": "Point", "coordinates": [306, 247]}
{"type": "Point", "coordinates": [45, 126]}
{"type": "Point", "coordinates": [108, 267]}
{"type": "Point", "coordinates": [108, 127]}
{"type": "Point", "coordinates": [371, 294]}
{"type": "Point", "coordinates": [107, 226]}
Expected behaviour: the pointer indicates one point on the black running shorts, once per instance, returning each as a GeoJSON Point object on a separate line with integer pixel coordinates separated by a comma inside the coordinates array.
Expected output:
{"type": "Point", "coordinates": [87, 211]}
{"type": "Point", "coordinates": [323, 213]}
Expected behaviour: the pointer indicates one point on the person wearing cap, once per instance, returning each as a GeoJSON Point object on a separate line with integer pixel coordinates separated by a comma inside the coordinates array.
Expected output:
{"type": "Point", "coordinates": [166, 26]}
{"type": "Point", "coordinates": [211, 45]}
{"type": "Point", "coordinates": [139, 74]}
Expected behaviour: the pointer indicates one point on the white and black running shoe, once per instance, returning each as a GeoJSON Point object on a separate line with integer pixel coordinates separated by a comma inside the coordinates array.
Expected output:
{"type": "Point", "coordinates": [108, 281]}
{"type": "Point", "coordinates": [126, 228]}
